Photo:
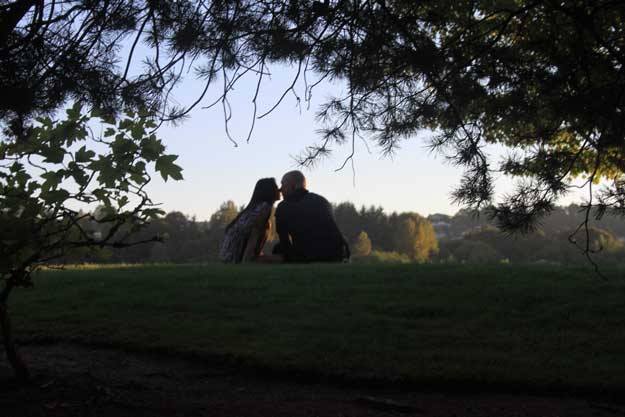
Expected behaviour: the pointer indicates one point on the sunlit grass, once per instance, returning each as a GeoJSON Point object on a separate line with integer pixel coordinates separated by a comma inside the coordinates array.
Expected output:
{"type": "Point", "coordinates": [99, 266]}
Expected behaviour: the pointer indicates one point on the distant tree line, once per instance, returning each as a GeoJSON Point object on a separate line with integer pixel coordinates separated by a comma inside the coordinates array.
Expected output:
{"type": "Point", "coordinates": [376, 236]}
{"type": "Point", "coordinates": [559, 239]}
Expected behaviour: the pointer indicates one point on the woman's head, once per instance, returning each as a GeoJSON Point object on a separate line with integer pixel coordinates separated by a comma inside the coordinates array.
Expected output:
{"type": "Point", "coordinates": [266, 190]}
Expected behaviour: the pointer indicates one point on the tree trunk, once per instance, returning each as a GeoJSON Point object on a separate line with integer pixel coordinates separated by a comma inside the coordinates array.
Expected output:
{"type": "Point", "coordinates": [13, 356]}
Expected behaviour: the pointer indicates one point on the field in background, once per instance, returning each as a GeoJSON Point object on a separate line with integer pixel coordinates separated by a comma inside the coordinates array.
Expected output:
{"type": "Point", "coordinates": [531, 326]}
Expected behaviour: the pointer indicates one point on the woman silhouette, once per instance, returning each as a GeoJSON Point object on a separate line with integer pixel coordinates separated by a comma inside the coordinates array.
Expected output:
{"type": "Point", "coordinates": [245, 236]}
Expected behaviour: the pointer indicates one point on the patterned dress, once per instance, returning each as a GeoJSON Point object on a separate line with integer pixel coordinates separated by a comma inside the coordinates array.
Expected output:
{"type": "Point", "coordinates": [237, 236]}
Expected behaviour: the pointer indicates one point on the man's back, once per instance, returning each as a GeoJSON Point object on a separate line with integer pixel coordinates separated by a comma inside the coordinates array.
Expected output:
{"type": "Point", "coordinates": [307, 219]}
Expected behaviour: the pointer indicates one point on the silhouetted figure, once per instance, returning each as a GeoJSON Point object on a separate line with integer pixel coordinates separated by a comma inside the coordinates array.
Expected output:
{"type": "Point", "coordinates": [306, 226]}
{"type": "Point", "coordinates": [246, 235]}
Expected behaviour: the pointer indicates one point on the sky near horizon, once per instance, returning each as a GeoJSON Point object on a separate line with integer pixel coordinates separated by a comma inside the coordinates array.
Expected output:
{"type": "Point", "coordinates": [414, 179]}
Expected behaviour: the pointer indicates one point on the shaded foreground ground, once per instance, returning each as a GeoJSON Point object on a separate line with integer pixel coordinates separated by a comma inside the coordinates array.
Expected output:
{"type": "Point", "coordinates": [79, 381]}
{"type": "Point", "coordinates": [541, 327]}
{"type": "Point", "coordinates": [321, 340]}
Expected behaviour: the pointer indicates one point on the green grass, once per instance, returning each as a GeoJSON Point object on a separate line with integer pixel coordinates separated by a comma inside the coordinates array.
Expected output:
{"type": "Point", "coordinates": [533, 326]}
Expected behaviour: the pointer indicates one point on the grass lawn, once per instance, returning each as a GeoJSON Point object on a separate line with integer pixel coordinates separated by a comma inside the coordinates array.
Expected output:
{"type": "Point", "coordinates": [533, 326]}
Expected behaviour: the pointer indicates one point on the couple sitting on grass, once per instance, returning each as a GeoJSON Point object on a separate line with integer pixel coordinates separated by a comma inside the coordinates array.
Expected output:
{"type": "Point", "coordinates": [304, 222]}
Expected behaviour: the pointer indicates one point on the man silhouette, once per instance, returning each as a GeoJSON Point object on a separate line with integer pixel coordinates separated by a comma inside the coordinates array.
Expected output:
{"type": "Point", "coordinates": [306, 225]}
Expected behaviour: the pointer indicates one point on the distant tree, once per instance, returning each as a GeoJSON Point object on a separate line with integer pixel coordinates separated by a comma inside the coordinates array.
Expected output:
{"type": "Point", "coordinates": [426, 243]}
{"type": "Point", "coordinates": [177, 221]}
{"type": "Point", "coordinates": [604, 246]}
{"type": "Point", "coordinates": [404, 235]}
{"type": "Point", "coordinates": [178, 235]}
{"type": "Point", "coordinates": [415, 237]}
{"type": "Point", "coordinates": [378, 227]}
{"type": "Point", "coordinates": [224, 215]}
{"type": "Point", "coordinates": [476, 252]}
{"type": "Point", "coordinates": [348, 220]}
{"type": "Point", "coordinates": [522, 248]}
{"type": "Point", "coordinates": [159, 253]}
{"type": "Point", "coordinates": [362, 245]}
{"type": "Point", "coordinates": [466, 220]}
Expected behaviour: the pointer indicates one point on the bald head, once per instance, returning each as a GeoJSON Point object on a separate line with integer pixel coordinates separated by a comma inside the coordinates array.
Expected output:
{"type": "Point", "coordinates": [292, 181]}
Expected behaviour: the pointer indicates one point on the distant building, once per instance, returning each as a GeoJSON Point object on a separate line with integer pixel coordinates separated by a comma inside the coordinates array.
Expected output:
{"type": "Point", "coordinates": [441, 224]}
{"type": "Point", "coordinates": [442, 229]}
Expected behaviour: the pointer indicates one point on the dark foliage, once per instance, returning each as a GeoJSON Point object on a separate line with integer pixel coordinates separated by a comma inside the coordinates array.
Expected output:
{"type": "Point", "coordinates": [544, 79]}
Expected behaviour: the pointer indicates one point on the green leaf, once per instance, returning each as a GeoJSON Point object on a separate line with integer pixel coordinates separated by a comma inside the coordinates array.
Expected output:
{"type": "Point", "coordinates": [102, 195]}
{"type": "Point", "coordinates": [126, 124]}
{"type": "Point", "coordinates": [16, 167]}
{"type": "Point", "coordinates": [53, 154]}
{"type": "Point", "coordinates": [32, 187]}
{"type": "Point", "coordinates": [73, 114]}
{"type": "Point", "coordinates": [52, 180]}
{"type": "Point", "coordinates": [137, 173]}
{"type": "Point", "coordinates": [109, 132]}
{"type": "Point", "coordinates": [55, 196]}
{"type": "Point", "coordinates": [123, 200]}
{"type": "Point", "coordinates": [46, 122]}
{"type": "Point", "coordinates": [139, 167]}
{"type": "Point", "coordinates": [108, 119]}
{"type": "Point", "coordinates": [151, 148]}
{"type": "Point", "coordinates": [143, 113]}
{"type": "Point", "coordinates": [84, 155]}
{"type": "Point", "coordinates": [78, 173]}
{"type": "Point", "coordinates": [22, 178]}
{"type": "Point", "coordinates": [165, 165]}
{"type": "Point", "coordinates": [96, 113]}
{"type": "Point", "coordinates": [137, 131]}
{"type": "Point", "coordinates": [152, 213]}
{"type": "Point", "coordinates": [108, 174]}
{"type": "Point", "coordinates": [98, 164]}
{"type": "Point", "coordinates": [123, 185]}
{"type": "Point", "coordinates": [122, 146]}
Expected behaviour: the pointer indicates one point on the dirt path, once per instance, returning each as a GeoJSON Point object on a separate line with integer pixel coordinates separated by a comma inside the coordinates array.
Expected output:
{"type": "Point", "coordinates": [78, 381]}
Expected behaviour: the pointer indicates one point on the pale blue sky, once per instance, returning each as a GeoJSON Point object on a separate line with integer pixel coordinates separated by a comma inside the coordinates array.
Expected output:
{"type": "Point", "coordinates": [216, 171]}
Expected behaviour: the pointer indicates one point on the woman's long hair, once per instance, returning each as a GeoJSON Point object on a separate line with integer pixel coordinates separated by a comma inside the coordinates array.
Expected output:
{"type": "Point", "coordinates": [265, 191]}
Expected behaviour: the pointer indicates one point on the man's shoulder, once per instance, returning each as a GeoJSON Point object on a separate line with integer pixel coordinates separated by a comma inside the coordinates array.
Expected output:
{"type": "Point", "coordinates": [281, 207]}
{"type": "Point", "coordinates": [317, 198]}
{"type": "Point", "coordinates": [306, 199]}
